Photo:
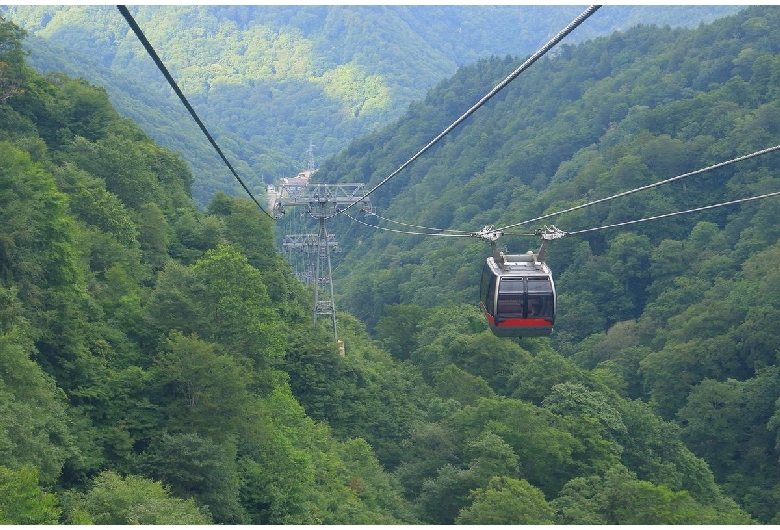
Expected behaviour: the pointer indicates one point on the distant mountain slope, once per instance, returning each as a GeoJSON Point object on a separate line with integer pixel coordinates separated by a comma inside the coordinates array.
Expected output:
{"type": "Point", "coordinates": [159, 364]}
{"type": "Point", "coordinates": [605, 116]}
{"type": "Point", "coordinates": [681, 312]}
{"type": "Point", "coordinates": [271, 80]}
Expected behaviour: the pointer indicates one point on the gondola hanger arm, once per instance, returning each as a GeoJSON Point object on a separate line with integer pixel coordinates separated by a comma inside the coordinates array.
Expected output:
{"type": "Point", "coordinates": [548, 233]}
{"type": "Point", "coordinates": [488, 234]}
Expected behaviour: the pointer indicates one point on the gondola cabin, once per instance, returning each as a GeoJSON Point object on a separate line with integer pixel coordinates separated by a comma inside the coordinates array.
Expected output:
{"type": "Point", "coordinates": [517, 295]}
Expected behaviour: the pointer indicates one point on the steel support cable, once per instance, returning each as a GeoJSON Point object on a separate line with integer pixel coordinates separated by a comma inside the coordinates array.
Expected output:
{"type": "Point", "coordinates": [648, 186]}
{"type": "Point", "coordinates": [403, 231]}
{"type": "Point", "coordinates": [460, 233]}
{"type": "Point", "coordinates": [153, 54]}
{"type": "Point", "coordinates": [519, 235]}
{"type": "Point", "coordinates": [531, 60]}
{"type": "Point", "coordinates": [418, 226]}
{"type": "Point", "coordinates": [702, 208]}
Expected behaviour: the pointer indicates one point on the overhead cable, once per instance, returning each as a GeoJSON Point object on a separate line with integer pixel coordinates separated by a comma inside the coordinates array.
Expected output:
{"type": "Point", "coordinates": [531, 60]}
{"type": "Point", "coordinates": [648, 186]}
{"type": "Point", "coordinates": [153, 54]}
{"type": "Point", "coordinates": [439, 231]}
{"type": "Point", "coordinates": [404, 231]}
{"type": "Point", "coordinates": [417, 226]}
{"type": "Point", "coordinates": [764, 196]}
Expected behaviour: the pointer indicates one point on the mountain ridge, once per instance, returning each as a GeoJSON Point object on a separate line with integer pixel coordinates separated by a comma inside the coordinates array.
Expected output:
{"type": "Point", "coordinates": [325, 97]}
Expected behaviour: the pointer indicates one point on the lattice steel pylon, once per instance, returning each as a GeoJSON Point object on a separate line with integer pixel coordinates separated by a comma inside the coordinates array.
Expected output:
{"type": "Point", "coordinates": [308, 245]}
{"type": "Point", "coordinates": [322, 202]}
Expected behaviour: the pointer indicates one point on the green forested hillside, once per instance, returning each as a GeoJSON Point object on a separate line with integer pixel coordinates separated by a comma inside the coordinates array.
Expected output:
{"type": "Point", "coordinates": [272, 80]}
{"type": "Point", "coordinates": [679, 312]}
{"type": "Point", "coordinates": [159, 364]}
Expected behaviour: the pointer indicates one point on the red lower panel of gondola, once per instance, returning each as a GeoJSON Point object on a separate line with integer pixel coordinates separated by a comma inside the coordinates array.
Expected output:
{"type": "Point", "coordinates": [519, 327]}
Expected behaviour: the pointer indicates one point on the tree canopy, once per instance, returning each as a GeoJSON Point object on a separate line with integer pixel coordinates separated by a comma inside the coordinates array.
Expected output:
{"type": "Point", "coordinates": [159, 363]}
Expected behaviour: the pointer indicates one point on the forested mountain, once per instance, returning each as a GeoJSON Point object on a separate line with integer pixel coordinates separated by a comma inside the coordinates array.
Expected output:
{"type": "Point", "coordinates": [677, 312]}
{"type": "Point", "coordinates": [158, 363]}
{"type": "Point", "coordinates": [271, 81]}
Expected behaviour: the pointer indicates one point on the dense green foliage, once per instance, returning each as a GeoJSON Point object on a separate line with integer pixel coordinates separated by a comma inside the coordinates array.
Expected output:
{"type": "Point", "coordinates": [677, 312]}
{"type": "Point", "coordinates": [143, 343]}
{"type": "Point", "coordinates": [158, 363]}
{"type": "Point", "coordinates": [269, 81]}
